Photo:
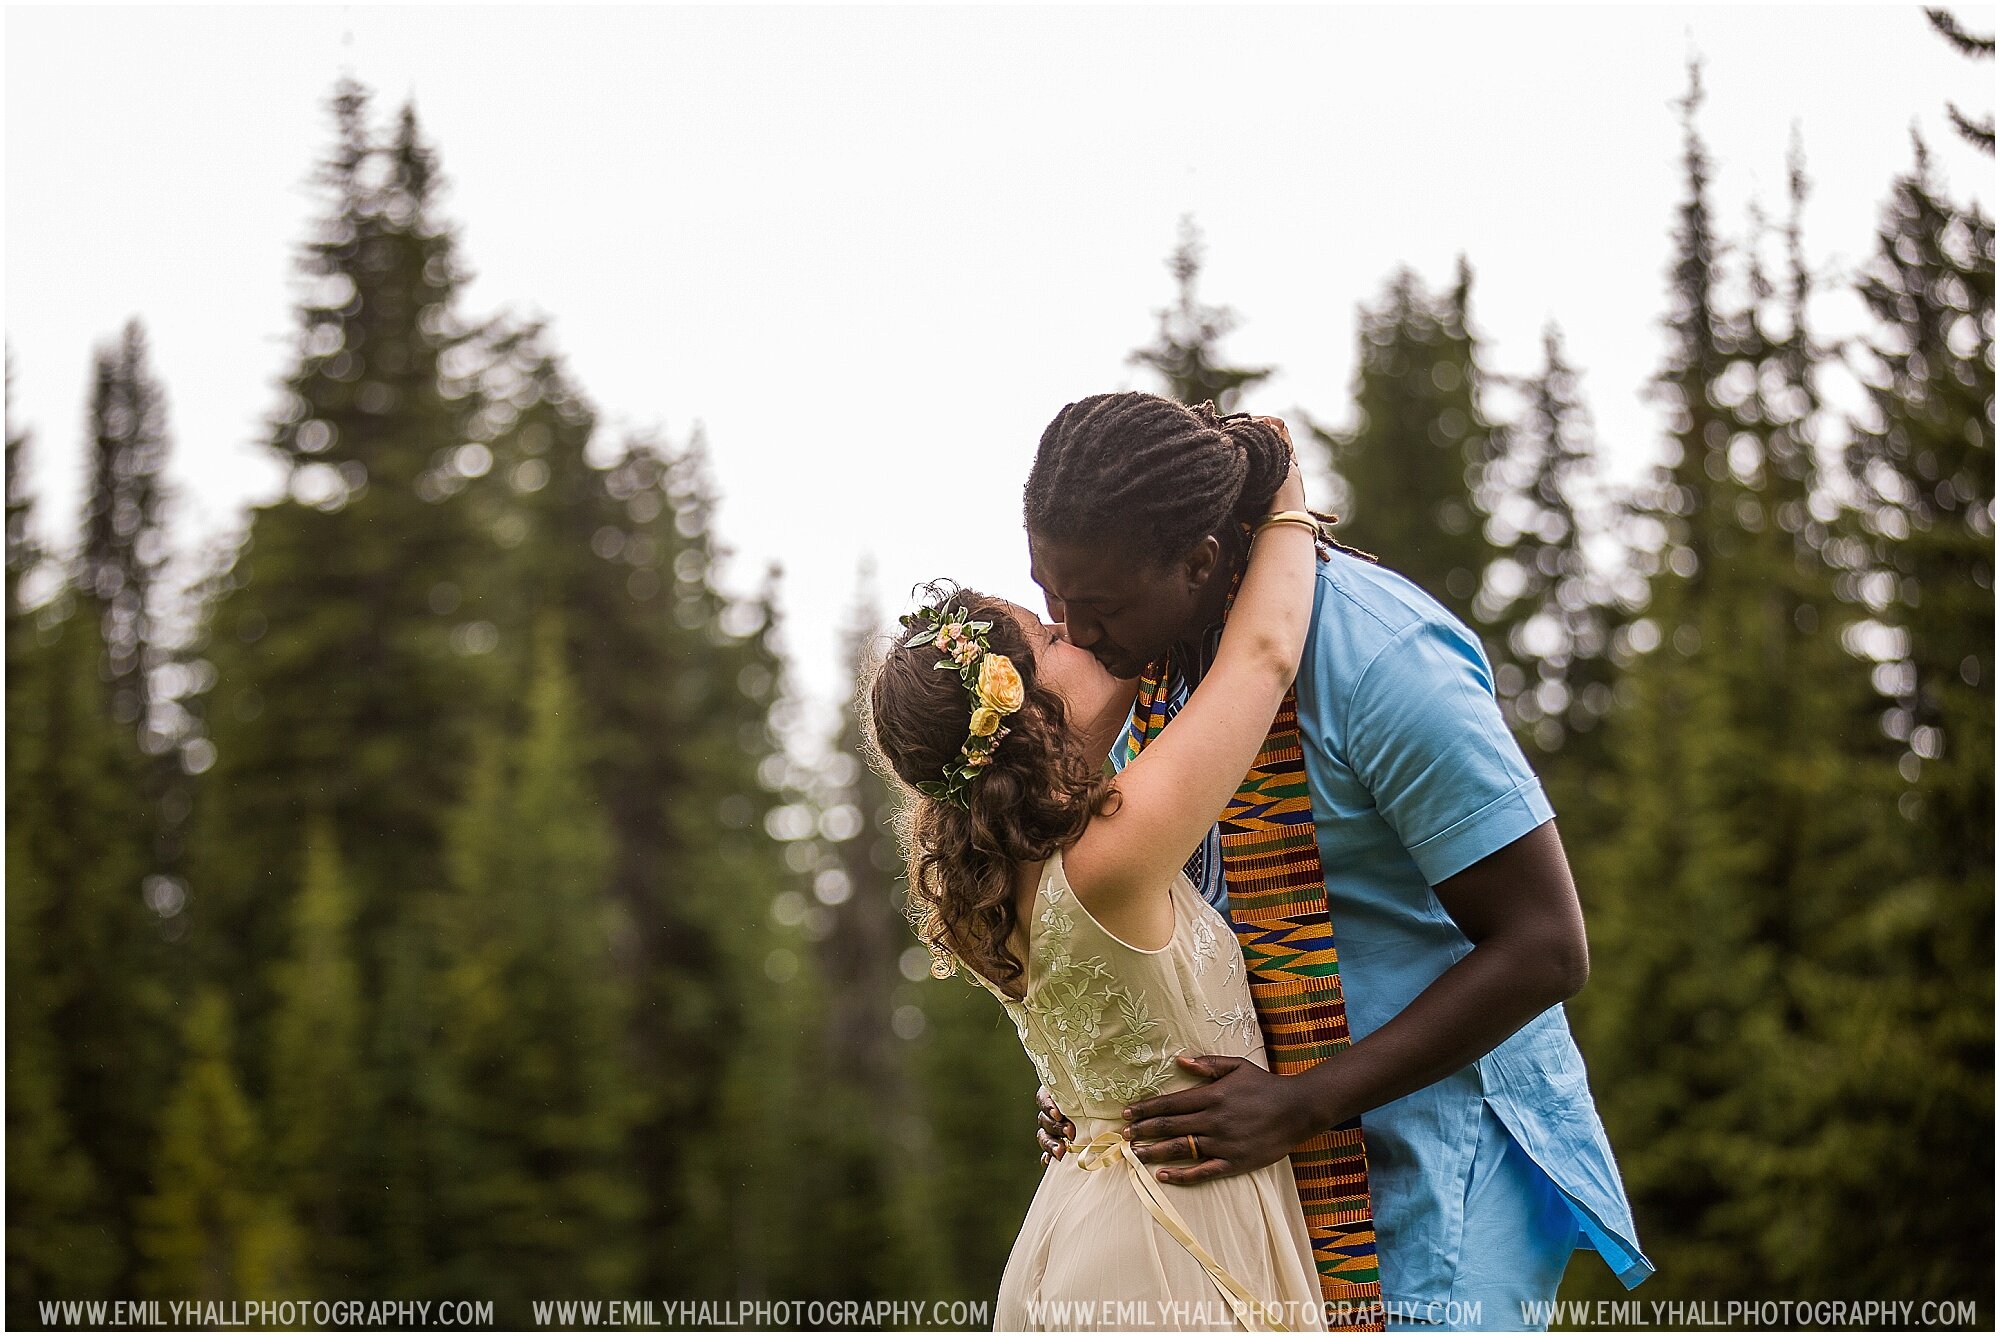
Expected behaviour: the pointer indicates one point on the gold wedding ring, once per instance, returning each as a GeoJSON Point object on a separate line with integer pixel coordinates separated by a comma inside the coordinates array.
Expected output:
{"type": "Point", "coordinates": [1194, 1152]}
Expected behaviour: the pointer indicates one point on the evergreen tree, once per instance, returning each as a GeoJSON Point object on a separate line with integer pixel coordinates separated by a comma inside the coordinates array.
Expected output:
{"type": "Point", "coordinates": [539, 1100]}
{"type": "Point", "coordinates": [319, 1084]}
{"type": "Point", "coordinates": [22, 551]}
{"type": "Point", "coordinates": [63, 1235]}
{"type": "Point", "coordinates": [1420, 441]}
{"type": "Point", "coordinates": [980, 1101]}
{"type": "Point", "coordinates": [210, 1230]}
{"type": "Point", "coordinates": [677, 684]}
{"type": "Point", "coordinates": [1184, 351]}
{"type": "Point", "coordinates": [1906, 985]}
{"type": "Point", "coordinates": [880, 1156]}
{"type": "Point", "coordinates": [119, 575]}
{"type": "Point", "coordinates": [1548, 613]}
{"type": "Point", "coordinates": [339, 686]}
{"type": "Point", "coordinates": [93, 967]}
{"type": "Point", "coordinates": [1747, 818]}
{"type": "Point", "coordinates": [124, 543]}
{"type": "Point", "coordinates": [1977, 133]}
{"type": "Point", "coordinates": [1925, 467]}
{"type": "Point", "coordinates": [65, 1238]}
{"type": "Point", "coordinates": [344, 682]}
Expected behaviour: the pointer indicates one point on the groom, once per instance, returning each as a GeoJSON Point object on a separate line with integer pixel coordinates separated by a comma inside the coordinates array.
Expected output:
{"type": "Point", "coordinates": [1452, 913]}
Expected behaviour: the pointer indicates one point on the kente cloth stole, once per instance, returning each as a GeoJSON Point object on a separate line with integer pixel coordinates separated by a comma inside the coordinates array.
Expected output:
{"type": "Point", "coordinates": [1278, 906]}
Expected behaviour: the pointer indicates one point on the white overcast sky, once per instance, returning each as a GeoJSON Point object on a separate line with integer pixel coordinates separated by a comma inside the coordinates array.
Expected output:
{"type": "Point", "coordinates": [873, 250]}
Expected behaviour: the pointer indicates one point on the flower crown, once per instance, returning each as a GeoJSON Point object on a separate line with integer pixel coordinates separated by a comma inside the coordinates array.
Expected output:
{"type": "Point", "coordinates": [992, 685]}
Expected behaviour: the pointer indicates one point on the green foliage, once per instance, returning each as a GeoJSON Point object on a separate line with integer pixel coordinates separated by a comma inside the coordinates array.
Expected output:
{"type": "Point", "coordinates": [1979, 134]}
{"type": "Point", "coordinates": [1546, 610]}
{"type": "Point", "coordinates": [124, 539]}
{"type": "Point", "coordinates": [319, 1088]}
{"type": "Point", "coordinates": [346, 682]}
{"type": "Point", "coordinates": [1915, 1085]}
{"type": "Point", "coordinates": [61, 1237]}
{"type": "Point", "coordinates": [871, 1154]}
{"type": "Point", "coordinates": [675, 683]}
{"type": "Point", "coordinates": [1420, 441]}
{"type": "Point", "coordinates": [537, 1099]}
{"type": "Point", "coordinates": [980, 1101]}
{"type": "Point", "coordinates": [1791, 1012]}
{"type": "Point", "coordinates": [555, 972]}
{"type": "Point", "coordinates": [1925, 465]}
{"type": "Point", "coordinates": [1184, 351]}
{"type": "Point", "coordinates": [66, 1233]}
{"type": "Point", "coordinates": [211, 1230]}
{"type": "Point", "coordinates": [22, 551]}
{"type": "Point", "coordinates": [345, 679]}
{"type": "Point", "coordinates": [94, 964]}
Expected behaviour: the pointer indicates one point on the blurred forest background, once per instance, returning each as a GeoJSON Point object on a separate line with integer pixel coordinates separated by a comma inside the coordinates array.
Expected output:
{"type": "Point", "coordinates": [443, 915]}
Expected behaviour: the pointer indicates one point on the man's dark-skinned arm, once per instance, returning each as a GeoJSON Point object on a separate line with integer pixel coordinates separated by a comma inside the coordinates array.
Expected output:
{"type": "Point", "coordinates": [1517, 906]}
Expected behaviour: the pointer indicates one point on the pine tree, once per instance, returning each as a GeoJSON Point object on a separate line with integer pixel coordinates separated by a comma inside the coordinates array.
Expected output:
{"type": "Point", "coordinates": [1653, 1022]}
{"type": "Point", "coordinates": [1410, 464]}
{"type": "Point", "coordinates": [1548, 613]}
{"type": "Point", "coordinates": [1184, 351]}
{"type": "Point", "coordinates": [23, 553]}
{"type": "Point", "coordinates": [125, 541]}
{"type": "Point", "coordinates": [1905, 992]}
{"type": "Point", "coordinates": [319, 1085]}
{"type": "Point", "coordinates": [98, 967]}
{"type": "Point", "coordinates": [678, 685]}
{"type": "Point", "coordinates": [1739, 774]}
{"type": "Point", "coordinates": [340, 686]}
{"type": "Point", "coordinates": [211, 1230]}
{"type": "Point", "coordinates": [119, 575]}
{"type": "Point", "coordinates": [878, 1154]}
{"type": "Point", "coordinates": [539, 1101]}
{"type": "Point", "coordinates": [1925, 466]}
{"type": "Point", "coordinates": [63, 1235]}
{"type": "Point", "coordinates": [346, 683]}
{"type": "Point", "coordinates": [979, 1097]}
{"type": "Point", "coordinates": [1977, 133]}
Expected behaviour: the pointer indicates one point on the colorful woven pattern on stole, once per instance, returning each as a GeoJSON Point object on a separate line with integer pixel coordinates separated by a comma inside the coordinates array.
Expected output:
{"type": "Point", "coordinates": [1278, 906]}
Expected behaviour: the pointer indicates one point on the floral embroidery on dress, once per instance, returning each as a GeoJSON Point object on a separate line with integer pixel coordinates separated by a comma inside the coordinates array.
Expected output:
{"type": "Point", "coordinates": [1035, 1056]}
{"type": "Point", "coordinates": [1069, 1008]}
{"type": "Point", "coordinates": [1240, 1023]}
{"type": "Point", "coordinates": [1204, 938]}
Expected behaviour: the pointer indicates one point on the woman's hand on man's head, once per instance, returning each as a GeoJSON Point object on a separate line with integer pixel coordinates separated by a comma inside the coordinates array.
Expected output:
{"type": "Point", "coordinates": [1291, 494]}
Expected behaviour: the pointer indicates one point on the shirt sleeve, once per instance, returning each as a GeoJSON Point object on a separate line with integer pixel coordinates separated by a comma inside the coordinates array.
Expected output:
{"type": "Point", "coordinates": [1426, 737]}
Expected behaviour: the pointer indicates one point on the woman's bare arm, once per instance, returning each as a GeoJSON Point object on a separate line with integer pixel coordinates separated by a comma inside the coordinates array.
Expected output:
{"type": "Point", "coordinates": [1171, 794]}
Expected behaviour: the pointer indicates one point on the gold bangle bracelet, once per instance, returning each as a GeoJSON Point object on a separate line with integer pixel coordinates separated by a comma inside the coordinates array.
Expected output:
{"type": "Point", "coordinates": [1300, 518]}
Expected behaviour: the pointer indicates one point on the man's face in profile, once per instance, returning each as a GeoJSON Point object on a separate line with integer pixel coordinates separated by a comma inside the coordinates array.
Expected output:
{"type": "Point", "coordinates": [1124, 610]}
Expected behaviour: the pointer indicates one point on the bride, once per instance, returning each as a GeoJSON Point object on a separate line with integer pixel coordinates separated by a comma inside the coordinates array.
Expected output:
{"type": "Point", "coordinates": [1060, 890]}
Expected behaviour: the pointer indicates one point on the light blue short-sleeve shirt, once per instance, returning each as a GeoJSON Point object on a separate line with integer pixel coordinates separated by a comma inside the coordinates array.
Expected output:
{"type": "Point", "coordinates": [1414, 778]}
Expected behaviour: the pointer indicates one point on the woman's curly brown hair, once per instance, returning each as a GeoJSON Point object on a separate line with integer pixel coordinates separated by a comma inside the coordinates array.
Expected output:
{"type": "Point", "coordinates": [1034, 798]}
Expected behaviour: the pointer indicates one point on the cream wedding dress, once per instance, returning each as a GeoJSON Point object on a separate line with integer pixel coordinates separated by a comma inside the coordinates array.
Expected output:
{"type": "Point", "coordinates": [1103, 1246]}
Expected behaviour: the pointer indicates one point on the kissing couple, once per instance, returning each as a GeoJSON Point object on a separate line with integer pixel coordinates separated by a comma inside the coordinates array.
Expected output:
{"type": "Point", "coordinates": [1291, 967]}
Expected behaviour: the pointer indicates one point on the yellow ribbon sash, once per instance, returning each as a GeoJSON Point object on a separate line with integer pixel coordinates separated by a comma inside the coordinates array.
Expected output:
{"type": "Point", "coordinates": [1108, 1149]}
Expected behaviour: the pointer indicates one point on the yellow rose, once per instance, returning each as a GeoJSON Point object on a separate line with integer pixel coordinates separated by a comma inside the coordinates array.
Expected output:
{"type": "Point", "coordinates": [985, 722]}
{"type": "Point", "coordinates": [1000, 684]}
